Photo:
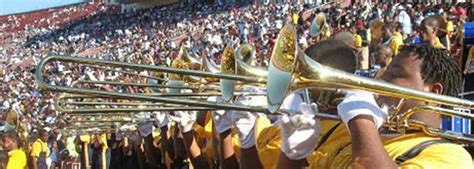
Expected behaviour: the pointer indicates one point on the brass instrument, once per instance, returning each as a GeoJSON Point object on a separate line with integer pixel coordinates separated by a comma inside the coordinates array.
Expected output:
{"type": "Point", "coordinates": [237, 62]}
{"type": "Point", "coordinates": [291, 69]}
{"type": "Point", "coordinates": [143, 97]}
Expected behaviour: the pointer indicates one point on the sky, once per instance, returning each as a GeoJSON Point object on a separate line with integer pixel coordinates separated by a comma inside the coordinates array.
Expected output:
{"type": "Point", "coordinates": [19, 6]}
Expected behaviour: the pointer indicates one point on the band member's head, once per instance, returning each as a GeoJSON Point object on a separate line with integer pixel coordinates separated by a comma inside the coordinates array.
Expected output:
{"type": "Point", "coordinates": [423, 68]}
{"type": "Point", "coordinates": [10, 141]}
{"type": "Point", "coordinates": [429, 28]}
{"type": "Point", "coordinates": [336, 54]}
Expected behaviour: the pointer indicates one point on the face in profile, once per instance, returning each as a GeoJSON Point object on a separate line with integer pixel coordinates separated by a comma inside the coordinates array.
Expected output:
{"type": "Point", "coordinates": [427, 32]}
{"type": "Point", "coordinates": [404, 70]}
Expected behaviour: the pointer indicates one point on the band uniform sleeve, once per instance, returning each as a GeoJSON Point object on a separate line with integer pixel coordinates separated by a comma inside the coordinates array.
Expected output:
{"type": "Point", "coordinates": [103, 138]}
{"type": "Point", "coordinates": [268, 145]}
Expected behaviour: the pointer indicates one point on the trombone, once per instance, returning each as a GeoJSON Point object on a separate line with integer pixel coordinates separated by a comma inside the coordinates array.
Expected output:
{"type": "Point", "coordinates": [290, 69]}
{"type": "Point", "coordinates": [143, 97]}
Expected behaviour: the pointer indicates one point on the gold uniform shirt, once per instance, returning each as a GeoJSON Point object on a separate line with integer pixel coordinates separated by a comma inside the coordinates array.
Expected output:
{"type": "Point", "coordinates": [396, 42]}
{"type": "Point", "coordinates": [269, 142]}
{"type": "Point", "coordinates": [16, 159]}
{"type": "Point", "coordinates": [38, 147]}
{"type": "Point", "coordinates": [336, 152]}
{"type": "Point", "coordinates": [357, 40]}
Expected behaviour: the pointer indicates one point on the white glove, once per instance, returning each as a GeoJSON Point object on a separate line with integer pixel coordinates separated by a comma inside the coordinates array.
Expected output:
{"type": "Point", "coordinates": [245, 121]}
{"type": "Point", "coordinates": [185, 120]}
{"type": "Point", "coordinates": [221, 118]}
{"type": "Point", "coordinates": [145, 129]}
{"type": "Point", "coordinates": [361, 103]}
{"type": "Point", "coordinates": [162, 119]}
{"type": "Point", "coordinates": [300, 132]}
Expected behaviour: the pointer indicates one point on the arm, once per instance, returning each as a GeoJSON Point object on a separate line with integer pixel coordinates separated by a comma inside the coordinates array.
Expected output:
{"type": "Point", "coordinates": [361, 114]}
{"type": "Point", "coordinates": [227, 154]}
{"type": "Point", "coordinates": [166, 146]}
{"type": "Point", "coordinates": [33, 162]}
{"type": "Point", "coordinates": [367, 148]}
{"type": "Point", "coordinates": [198, 159]}
{"type": "Point", "coordinates": [34, 155]}
{"type": "Point", "coordinates": [249, 158]}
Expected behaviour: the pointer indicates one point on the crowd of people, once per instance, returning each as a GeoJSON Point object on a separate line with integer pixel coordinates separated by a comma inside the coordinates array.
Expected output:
{"type": "Point", "coordinates": [363, 37]}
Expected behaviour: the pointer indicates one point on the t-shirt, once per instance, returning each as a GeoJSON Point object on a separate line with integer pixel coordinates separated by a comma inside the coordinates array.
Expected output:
{"type": "Point", "coordinates": [16, 159]}
{"type": "Point", "coordinates": [357, 41]}
{"type": "Point", "coordinates": [336, 152]}
{"type": "Point", "coordinates": [38, 147]}
{"type": "Point", "coordinates": [438, 44]}
{"type": "Point", "coordinates": [396, 42]}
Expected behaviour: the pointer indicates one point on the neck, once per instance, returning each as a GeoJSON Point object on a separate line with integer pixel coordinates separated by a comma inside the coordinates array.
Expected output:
{"type": "Point", "coordinates": [429, 119]}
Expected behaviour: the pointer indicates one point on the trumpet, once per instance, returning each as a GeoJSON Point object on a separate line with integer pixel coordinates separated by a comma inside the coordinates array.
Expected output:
{"type": "Point", "coordinates": [291, 69]}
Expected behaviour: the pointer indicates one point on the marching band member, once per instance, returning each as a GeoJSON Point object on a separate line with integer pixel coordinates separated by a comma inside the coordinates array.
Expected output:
{"type": "Point", "coordinates": [260, 142]}
{"type": "Point", "coordinates": [416, 67]}
{"type": "Point", "coordinates": [82, 146]}
{"type": "Point", "coordinates": [237, 130]}
{"type": "Point", "coordinates": [99, 150]}
{"type": "Point", "coordinates": [185, 121]}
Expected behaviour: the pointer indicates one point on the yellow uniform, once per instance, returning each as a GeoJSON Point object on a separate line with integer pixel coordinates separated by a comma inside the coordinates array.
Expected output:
{"type": "Point", "coordinates": [103, 139]}
{"type": "Point", "coordinates": [38, 147]}
{"type": "Point", "coordinates": [336, 152]}
{"type": "Point", "coordinates": [269, 142]}
{"type": "Point", "coordinates": [396, 42]}
{"type": "Point", "coordinates": [357, 41]}
{"type": "Point", "coordinates": [85, 139]}
{"type": "Point", "coordinates": [16, 159]}
{"type": "Point", "coordinates": [438, 44]}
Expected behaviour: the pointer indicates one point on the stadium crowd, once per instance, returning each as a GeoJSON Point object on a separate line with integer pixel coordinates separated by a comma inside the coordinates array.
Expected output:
{"type": "Point", "coordinates": [154, 37]}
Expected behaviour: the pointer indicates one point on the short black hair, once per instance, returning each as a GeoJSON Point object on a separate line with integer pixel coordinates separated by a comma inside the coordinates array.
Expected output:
{"type": "Point", "coordinates": [335, 54]}
{"type": "Point", "coordinates": [438, 67]}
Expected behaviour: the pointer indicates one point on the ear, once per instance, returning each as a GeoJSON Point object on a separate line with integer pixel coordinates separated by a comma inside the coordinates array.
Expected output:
{"type": "Point", "coordinates": [437, 88]}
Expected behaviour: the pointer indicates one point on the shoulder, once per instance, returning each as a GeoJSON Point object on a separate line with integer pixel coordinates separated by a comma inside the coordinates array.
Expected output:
{"type": "Point", "coordinates": [37, 144]}
{"type": "Point", "coordinates": [446, 155]}
{"type": "Point", "coordinates": [19, 154]}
